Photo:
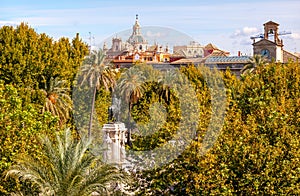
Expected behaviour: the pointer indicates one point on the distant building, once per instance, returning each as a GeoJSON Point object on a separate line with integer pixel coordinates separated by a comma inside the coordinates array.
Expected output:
{"type": "Point", "coordinates": [135, 49]}
{"type": "Point", "coordinates": [212, 50]}
{"type": "Point", "coordinates": [215, 58]}
{"type": "Point", "coordinates": [136, 40]}
{"type": "Point", "coordinates": [272, 49]}
{"type": "Point", "coordinates": [207, 51]}
{"type": "Point", "coordinates": [269, 46]}
{"type": "Point", "coordinates": [127, 59]}
{"type": "Point", "coordinates": [135, 43]}
{"type": "Point", "coordinates": [234, 63]}
{"type": "Point", "coordinates": [194, 49]}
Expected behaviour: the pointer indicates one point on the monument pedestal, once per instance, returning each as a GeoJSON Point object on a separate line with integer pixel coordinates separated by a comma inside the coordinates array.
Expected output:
{"type": "Point", "coordinates": [114, 135]}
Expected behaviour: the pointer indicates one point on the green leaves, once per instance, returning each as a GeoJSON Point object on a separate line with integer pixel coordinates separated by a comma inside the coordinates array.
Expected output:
{"type": "Point", "coordinates": [58, 102]}
{"type": "Point", "coordinates": [259, 148]}
{"type": "Point", "coordinates": [257, 153]}
{"type": "Point", "coordinates": [29, 59]}
{"type": "Point", "coordinates": [65, 167]}
{"type": "Point", "coordinates": [19, 128]}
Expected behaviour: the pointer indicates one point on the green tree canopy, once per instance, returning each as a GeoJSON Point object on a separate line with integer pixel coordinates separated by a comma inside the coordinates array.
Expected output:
{"type": "Point", "coordinates": [258, 149]}
{"type": "Point", "coordinates": [30, 59]}
{"type": "Point", "coordinates": [19, 128]}
{"type": "Point", "coordinates": [66, 168]}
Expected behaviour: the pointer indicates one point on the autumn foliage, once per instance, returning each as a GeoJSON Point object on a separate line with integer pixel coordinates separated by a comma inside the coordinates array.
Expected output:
{"type": "Point", "coordinates": [257, 151]}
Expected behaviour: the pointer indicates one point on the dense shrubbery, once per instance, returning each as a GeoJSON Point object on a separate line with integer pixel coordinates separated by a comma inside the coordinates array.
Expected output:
{"type": "Point", "coordinates": [20, 126]}
{"type": "Point", "coordinates": [28, 63]}
{"type": "Point", "coordinates": [258, 149]}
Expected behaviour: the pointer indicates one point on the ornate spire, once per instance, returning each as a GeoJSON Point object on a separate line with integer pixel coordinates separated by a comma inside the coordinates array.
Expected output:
{"type": "Point", "coordinates": [136, 26]}
{"type": "Point", "coordinates": [136, 36]}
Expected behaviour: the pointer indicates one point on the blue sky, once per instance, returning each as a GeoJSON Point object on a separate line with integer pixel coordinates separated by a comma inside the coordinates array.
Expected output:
{"type": "Point", "coordinates": [227, 24]}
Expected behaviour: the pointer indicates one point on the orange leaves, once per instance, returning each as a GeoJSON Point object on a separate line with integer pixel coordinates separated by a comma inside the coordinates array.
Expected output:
{"type": "Point", "coordinates": [53, 97]}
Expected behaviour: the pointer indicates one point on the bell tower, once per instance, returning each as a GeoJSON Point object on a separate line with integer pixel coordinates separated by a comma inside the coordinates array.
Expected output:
{"type": "Point", "coordinates": [271, 49]}
{"type": "Point", "coordinates": [271, 28]}
{"type": "Point", "coordinates": [116, 44]}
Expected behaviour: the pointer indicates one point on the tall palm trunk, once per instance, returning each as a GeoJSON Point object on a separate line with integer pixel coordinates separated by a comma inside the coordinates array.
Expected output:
{"type": "Point", "coordinates": [129, 126]}
{"type": "Point", "coordinates": [92, 112]}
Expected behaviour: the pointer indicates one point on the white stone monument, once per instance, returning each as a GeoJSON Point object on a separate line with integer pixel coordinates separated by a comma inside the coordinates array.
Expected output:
{"type": "Point", "coordinates": [114, 135]}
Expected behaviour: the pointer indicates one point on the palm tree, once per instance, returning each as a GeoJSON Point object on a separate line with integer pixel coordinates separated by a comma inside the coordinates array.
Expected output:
{"type": "Point", "coordinates": [254, 62]}
{"type": "Point", "coordinates": [96, 73]}
{"type": "Point", "coordinates": [66, 167]}
{"type": "Point", "coordinates": [58, 102]}
{"type": "Point", "coordinates": [131, 87]}
{"type": "Point", "coordinates": [166, 81]}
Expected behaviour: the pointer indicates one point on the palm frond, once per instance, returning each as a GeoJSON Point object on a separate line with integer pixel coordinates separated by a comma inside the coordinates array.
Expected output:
{"type": "Point", "coordinates": [66, 168]}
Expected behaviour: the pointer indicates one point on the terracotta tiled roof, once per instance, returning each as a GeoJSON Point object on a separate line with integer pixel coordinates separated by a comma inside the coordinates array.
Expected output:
{"type": "Point", "coordinates": [271, 22]}
{"type": "Point", "coordinates": [152, 48]}
{"type": "Point", "coordinates": [219, 53]}
{"type": "Point", "coordinates": [210, 46]}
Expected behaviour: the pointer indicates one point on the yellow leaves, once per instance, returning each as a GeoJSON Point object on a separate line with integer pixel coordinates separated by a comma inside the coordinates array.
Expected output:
{"type": "Point", "coordinates": [20, 125]}
{"type": "Point", "coordinates": [258, 150]}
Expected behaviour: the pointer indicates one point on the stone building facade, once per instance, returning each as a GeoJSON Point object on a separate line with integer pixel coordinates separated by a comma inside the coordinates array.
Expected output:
{"type": "Point", "coordinates": [272, 48]}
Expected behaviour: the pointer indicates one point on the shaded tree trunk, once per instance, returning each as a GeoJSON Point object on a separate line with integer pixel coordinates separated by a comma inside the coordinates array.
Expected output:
{"type": "Point", "coordinates": [129, 126]}
{"type": "Point", "coordinates": [92, 112]}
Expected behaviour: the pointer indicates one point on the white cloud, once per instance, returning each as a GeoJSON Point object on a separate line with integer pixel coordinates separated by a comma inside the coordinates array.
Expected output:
{"type": "Point", "coordinates": [246, 31]}
{"type": "Point", "coordinates": [250, 30]}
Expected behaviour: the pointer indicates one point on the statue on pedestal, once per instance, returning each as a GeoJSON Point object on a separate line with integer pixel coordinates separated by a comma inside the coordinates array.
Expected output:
{"type": "Point", "coordinates": [114, 110]}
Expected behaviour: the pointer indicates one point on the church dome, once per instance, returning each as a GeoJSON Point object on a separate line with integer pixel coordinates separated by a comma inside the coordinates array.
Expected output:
{"type": "Point", "coordinates": [135, 39]}
{"type": "Point", "coordinates": [136, 36]}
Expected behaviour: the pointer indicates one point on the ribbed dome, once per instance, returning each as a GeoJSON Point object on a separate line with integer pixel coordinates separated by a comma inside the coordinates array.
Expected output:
{"type": "Point", "coordinates": [136, 36]}
{"type": "Point", "coordinates": [134, 39]}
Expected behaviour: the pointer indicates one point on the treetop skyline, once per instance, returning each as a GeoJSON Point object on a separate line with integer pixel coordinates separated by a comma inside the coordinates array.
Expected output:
{"type": "Point", "coordinates": [227, 24]}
